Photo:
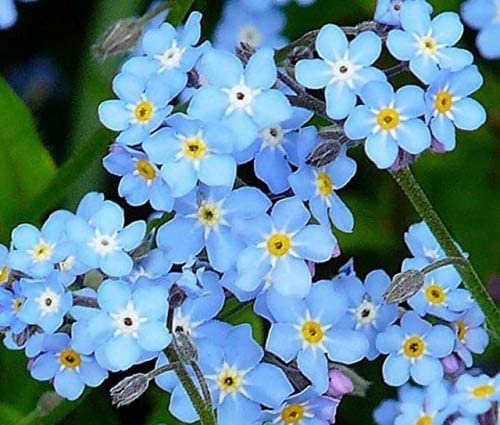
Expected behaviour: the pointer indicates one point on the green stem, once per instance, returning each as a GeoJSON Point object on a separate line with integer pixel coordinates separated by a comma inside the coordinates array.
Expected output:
{"type": "Point", "coordinates": [418, 198]}
{"type": "Point", "coordinates": [202, 407]}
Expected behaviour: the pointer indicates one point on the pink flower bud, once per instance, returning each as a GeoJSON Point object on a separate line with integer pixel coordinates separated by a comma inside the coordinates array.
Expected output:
{"type": "Point", "coordinates": [452, 365]}
{"type": "Point", "coordinates": [340, 384]}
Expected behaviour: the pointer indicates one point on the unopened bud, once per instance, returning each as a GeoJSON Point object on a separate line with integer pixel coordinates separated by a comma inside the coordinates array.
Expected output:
{"type": "Point", "coordinates": [84, 301]}
{"type": "Point", "coordinates": [120, 38]}
{"type": "Point", "coordinates": [48, 402]}
{"type": "Point", "coordinates": [453, 366]}
{"type": "Point", "coordinates": [245, 51]}
{"type": "Point", "coordinates": [324, 154]}
{"type": "Point", "coordinates": [176, 296]}
{"type": "Point", "coordinates": [129, 389]}
{"type": "Point", "coordinates": [340, 384]}
{"type": "Point", "coordinates": [22, 337]}
{"type": "Point", "coordinates": [4, 329]}
{"type": "Point", "coordinates": [299, 53]}
{"type": "Point", "coordinates": [403, 286]}
{"type": "Point", "coordinates": [185, 348]}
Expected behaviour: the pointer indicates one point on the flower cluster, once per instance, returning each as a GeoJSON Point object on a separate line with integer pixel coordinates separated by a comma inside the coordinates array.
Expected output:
{"type": "Point", "coordinates": [86, 295]}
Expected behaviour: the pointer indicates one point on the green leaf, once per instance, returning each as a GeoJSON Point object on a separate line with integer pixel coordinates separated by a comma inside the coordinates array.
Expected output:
{"type": "Point", "coordinates": [9, 415]}
{"type": "Point", "coordinates": [27, 166]}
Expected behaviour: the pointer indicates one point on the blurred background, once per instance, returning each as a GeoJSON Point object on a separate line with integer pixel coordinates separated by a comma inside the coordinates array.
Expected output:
{"type": "Point", "coordinates": [46, 58]}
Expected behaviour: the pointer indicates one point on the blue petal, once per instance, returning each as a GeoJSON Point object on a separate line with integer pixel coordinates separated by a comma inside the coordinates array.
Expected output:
{"type": "Point", "coordinates": [181, 176]}
{"type": "Point", "coordinates": [291, 277]}
{"type": "Point", "coordinates": [153, 336]}
{"type": "Point", "coordinates": [181, 406]}
{"type": "Point", "coordinates": [401, 45]}
{"type": "Point", "coordinates": [68, 384]}
{"type": "Point", "coordinates": [259, 388]}
{"type": "Point", "coordinates": [360, 123]}
{"type": "Point", "coordinates": [238, 410]}
{"type": "Point", "coordinates": [377, 94]}
{"type": "Point", "coordinates": [223, 248]}
{"type": "Point", "coordinates": [345, 345]}
{"type": "Point", "coordinates": [241, 351]}
{"type": "Point", "coordinates": [261, 72]}
{"type": "Point", "coordinates": [382, 149]}
{"type": "Point", "coordinates": [468, 114]}
{"type": "Point", "coordinates": [180, 239]}
{"type": "Point", "coordinates": [447, 28]}
{"type": "Point", "coordinates": [92, 374]}
{"type": "Point", "coordinates": [272, 168]}
{"type": "Point", "coordinates": [244, 128]}
{"type": "Point", "coordinates": [487, 42]}
{"type": "Point", "coordinates": [426, 370]}
{"type": "Point", "coordinates": [314, 243]}
{"type": "Point", "coordinates": [116, 264]}
{"type": "Point", "coordinates": [217, 170]}
{"type": "Point", "coordinates": [409, 101]}
{"type": "Point", "coordinates": [412, 324]}
{"type": "Point", "coordinates": [391, 340]}
{"type": "Point", "coordinates": [113, 295]}
{"type": "Point", "coordinates": [283, 340]}
{"type": "Point", "coordinates": [396, 370]}
{"type": "Point", "coordinates": [365, 48]}
{"type": "Point", "coordinates": [122, 352]}
{"type": "Point", "coordinates": [340, 214]}
{"type": "Point", "coordinates": [208, 103]}
{"type": "Point", "coordinates": [109, 218]}
{"type": "Point", "coordinates": [340, 100]}
{"type": "Point", "coordinates": [424, 68]}
{"type": "Point", "coordinates": [8, 14]}
{"type": "Point", "coordinates": [466, 81]}
{"type": "Point", "coordinates": [313, 364]}
{"type": "Point", "coordinates": [132, 235]}
{"type": "Point", "coordinates": [290, 215]}
{"type": "Point", "coordinates": [440, 341]}
{"type": "Point", "coordinates": [331, 43]}
{"type": "Point", "coordinates": [45, 367]}
{"type": "Point", "coordinates": [113, 115]}
{"type": "Point", "coordinates": [415, 17]}
{"type": "Point", "coordinates": [454, 58]}
{"type": "Point", "coordinates": [413, 136]}
{"type": "Point", "coordinates": [313, 73]}
{"type": "Point", "coordinates": [271, 107]}
{"type": "Point", "coordinates": [326, 303]}
{"type": "Point", "coordinates": [246, 202]}
{"type": "Point", "coordinates": [286, 309]}
{"type": "Point", "coordinates": [444, 131]}
{"type": "Point", "coordinates": [214, 61]}
{"type": "Point", "coordinates": [157, 40]}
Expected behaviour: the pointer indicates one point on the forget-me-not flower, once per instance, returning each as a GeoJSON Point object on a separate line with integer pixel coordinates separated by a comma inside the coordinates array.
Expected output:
{"type": "Point", "coordinates": [476, 394]}
{"type": "Point", "coordinates": [483, 16]}
{"type": "Point", "coordinates": [344, 68]}
{"type": "Point", "coordinates": [388, 11]}
{"type": "Point", "coordinates": [471, 337]}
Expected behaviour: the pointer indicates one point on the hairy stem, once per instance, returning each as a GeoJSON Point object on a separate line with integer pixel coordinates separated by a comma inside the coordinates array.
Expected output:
{"type": "Point", "coordinates": [202, 407]}
{"type": "Point", "coordinates": [418, 198]}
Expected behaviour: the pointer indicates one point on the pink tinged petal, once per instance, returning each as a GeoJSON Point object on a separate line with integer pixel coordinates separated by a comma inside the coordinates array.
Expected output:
{"type": "Point", "coordinates": [331, 43]}
{"type": "Point", "coordinates": [468, 114]}
{"type": "Point", "coordinates": [382, 149]}
{"type": "Point", "coordinates": [313, 73]}
{"type": "Point", "coordinates": [427, 370]}
{"type": "Point", "coordinates": [396, 370]}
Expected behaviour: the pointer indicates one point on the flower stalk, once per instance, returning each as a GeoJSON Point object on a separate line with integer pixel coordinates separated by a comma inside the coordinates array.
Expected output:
{"type": "Point", "coordinates": [423, 206]}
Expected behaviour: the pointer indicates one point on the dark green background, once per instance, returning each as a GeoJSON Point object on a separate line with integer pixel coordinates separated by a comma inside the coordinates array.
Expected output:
{"type": "Point", "coordinates": [463, 185]}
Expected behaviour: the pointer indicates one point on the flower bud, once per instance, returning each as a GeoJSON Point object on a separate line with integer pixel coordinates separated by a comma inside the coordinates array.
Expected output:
{"type": "Point", "coordinates": [185, 347]}
{"type": "Point", "coordinates": [120, 38]}
{"type": "Point", "coordinates": [176, 296]}
{"type": "Point", "coordinates": [340, 384]}
{"type": "Point", "coordinates": [403, 286]}
{"type": "Point", "coordinates": [324, 154]}
{"type": "Point", "coordinates": [299, 53]}
{"type": "Point", "coordinates": [129, 389]}
{"type": "Point", "coordinates": [48, 402]}
{"type": "Point", "coordinates": [453, 366]}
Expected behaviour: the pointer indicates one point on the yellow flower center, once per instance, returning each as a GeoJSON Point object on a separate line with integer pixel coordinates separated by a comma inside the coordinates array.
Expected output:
{"type": "Point", "coordinates": [461, 330]}
{"type": "Point", "coordinates": [4, 274]}
{"type": "Point", "coordinates": [279, 244]}
{"type": "Point", "coordinates": [229, 381]}
{"type": "Point", "coordinates": [443, 102]}
{"type": "Point", "coordinates": [312, 332]}
{"type": "Point", "coordinates": [388, 118]}
{"type": "Point", "coordinates": [144, 111]}
{"type": "Point", "coordinates": [145, 169]}
{"type": "Point", "coordinates": [435, 294]}
{"type": "Point", "coordinates": [414, 347]}
{"type": "Point", "coordinates": [17, 304]}
{"type": "Point", "coordinates": [292, 414]}
{"type": "Point", "coordinates": [208, 214]}
{"type": "Point", "coordinates": [324, 184]}
{"type": "Point", "coordinates": [424, 420]}
{"type": "Point", "coordinates": [70, 358]}
{"type": "Point", "coordinates": [42, 252]}
{"type": "Point", "coordinates": [195, 148]}
{"type": "Point", "coordinates": [429, 44]}
{"type": "Point", "coordinates": [483, 391]}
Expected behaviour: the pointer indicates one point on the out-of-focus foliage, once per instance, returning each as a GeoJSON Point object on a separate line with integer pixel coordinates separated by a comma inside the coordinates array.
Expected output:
{"type": "Point", "coordinates": [463, 184]}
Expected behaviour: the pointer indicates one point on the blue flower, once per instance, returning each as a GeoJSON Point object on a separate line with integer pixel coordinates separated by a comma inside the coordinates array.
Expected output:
{"type": "Point", "coordinates": [241, 99]}
{"type": "Point", "coordinates": [423, 245]}
{"type": "Point", "coordinates": [471, 337]}
{"type": "Point", "coordinates": [308, 330]}
{"type": "Point", "coordinates": [141, 181]}
{"type": "Point", "coordinates": [319, 187]}
{"type": "Point", "coordinates": [8, 13]}
{"type": "Point", "coordinates": [367, 311]}
{"type": "Point", "coordinates": [344, 68]}
{"type": "Point", "coordinates": [11, 301]}
{"type": "Point", "coordinates": [277, 247]}
{"type": "Point", "coordinates": [191, 150]}
{"type": "Point", "coordinates": [69, 369]}
{"type": "Point", "coordinates": [448, 104]}
{"type": "Point", "coordinates": [483, 16]}
{"type": "Point", "coordinates": [389, 121]}
{"type": "Point", "coordinates": [305, 408]}
{"type": "Point", "coordinates": [476, 394]}
{"type": "Point", "coordinates": [255, 26]}
{"type": "Point", "coordinates": [141, 108]}
{"type": "Point", "coordinates": [275, 149]}
{"type": "Point", "coordinates": [103, 242]}
{"type": "Point", "coordinates": [428, 406]}
{"type": "Point", "coordinates": [427, 44]}
{"type": "Point", "coordinates": [4, 267]}
{"type": "Point", "coordinates": [206, 218]}
{"type": "Point", "coordinates": [35, 252]}
{"type": "Point", "coordinates": [239, 383]}
{"type": "Point", "coordinates": [386, 412]}
{"type": "Point", "coordinates": [169, 54]}
{"type": "Point", "coordinates": [388, 11]}
{"type": "Point", "coordinates": [129, 324]}
{"type": "Point", "coordinates": [154, 265]}
{"type": "Point", "coordinates": [46, 303]}
{"type": "Point", "coordinates": [440, 296]}
{"type": "Point", "coordinates": [414, 349]}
